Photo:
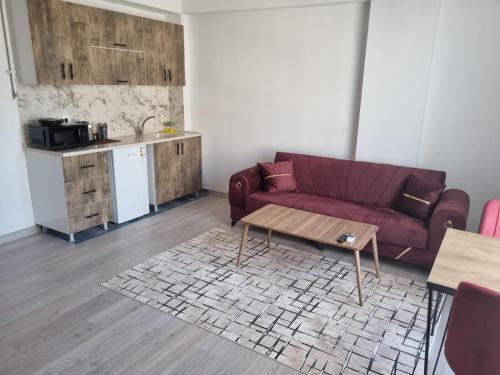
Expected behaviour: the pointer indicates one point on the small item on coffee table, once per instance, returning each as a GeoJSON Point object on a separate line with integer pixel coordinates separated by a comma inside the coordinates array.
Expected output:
{"type": "Point", "coordinates": [346, 237]}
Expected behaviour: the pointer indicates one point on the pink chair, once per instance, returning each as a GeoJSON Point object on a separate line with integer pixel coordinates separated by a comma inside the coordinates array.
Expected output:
{"type": "Point", "coordinates": [473, 340]}
{"type": "Point", "coordinates": [490, 221]}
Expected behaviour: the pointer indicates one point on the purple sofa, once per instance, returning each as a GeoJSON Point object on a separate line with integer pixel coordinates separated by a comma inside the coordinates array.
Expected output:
{"type": "Point", "coordinates": [363, 192]}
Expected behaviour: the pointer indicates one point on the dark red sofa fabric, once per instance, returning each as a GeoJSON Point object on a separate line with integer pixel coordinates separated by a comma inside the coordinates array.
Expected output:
{"type": "Point", "coordinates": [418, 198]}
{"type": "Point", "coordinates": [359, 191]}
{"type": "Point", "coordinates": [278, 177]}
{"type": "Point", "coordinates": [241, 185]}
{"type": "Point", "coordinates": [395, 227]}
{"type": "Point", "coordinates": [362, 182]}
{"type": "Point", "coordinates": [473, 338]}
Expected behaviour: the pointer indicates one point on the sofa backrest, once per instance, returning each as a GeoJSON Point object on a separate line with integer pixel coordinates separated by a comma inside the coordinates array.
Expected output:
{"type": "Point", "coordinates": [363, 182]}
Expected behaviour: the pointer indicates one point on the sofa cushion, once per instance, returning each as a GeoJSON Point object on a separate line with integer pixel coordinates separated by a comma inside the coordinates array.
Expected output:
{"type": "Point", "coordinates": [418, 198]}
{"type": "Point", "coordinates": [395, 227]}
{"type": "Point", "coordinates": [354, 181]}
{"type": "Point", "coordinates": [278, 177]}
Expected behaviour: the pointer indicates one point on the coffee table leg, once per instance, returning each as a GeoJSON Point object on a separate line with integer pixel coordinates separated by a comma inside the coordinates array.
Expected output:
{"type": "Point", "coordinates": [243, 241]}
{"type": "Point", "coordinates": [375, 254]}
{"type": "Point", "coordinates": [358, 276]}
{"type": "Point", "coordinates": [269, 234]}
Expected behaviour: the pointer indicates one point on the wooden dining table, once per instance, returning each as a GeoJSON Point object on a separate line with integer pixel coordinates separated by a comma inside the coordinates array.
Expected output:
{"type": "Point", "coordinates": [463, 256]}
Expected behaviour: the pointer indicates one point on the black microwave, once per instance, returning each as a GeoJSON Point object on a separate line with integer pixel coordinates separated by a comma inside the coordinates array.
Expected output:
{"type": "Point", "coordinates": [58, 137]}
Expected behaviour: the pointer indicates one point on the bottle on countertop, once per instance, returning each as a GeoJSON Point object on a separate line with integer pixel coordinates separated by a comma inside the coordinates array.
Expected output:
{"type": "Point", "coordinates": [91, 133]}
{"type": "Point", "coordinates": [95, 134]}
{"type": "Point", "coordinates": [102, 129]}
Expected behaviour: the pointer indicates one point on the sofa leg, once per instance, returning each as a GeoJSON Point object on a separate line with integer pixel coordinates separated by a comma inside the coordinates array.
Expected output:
{"type": "Point", "coordinates": [320, 246]}
{"type": "Point", "coordinates": [233, 222]}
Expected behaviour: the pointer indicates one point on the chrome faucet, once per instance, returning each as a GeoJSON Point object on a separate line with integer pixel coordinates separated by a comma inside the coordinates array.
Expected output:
{"type": "Point", "coordinates": [139, 131]}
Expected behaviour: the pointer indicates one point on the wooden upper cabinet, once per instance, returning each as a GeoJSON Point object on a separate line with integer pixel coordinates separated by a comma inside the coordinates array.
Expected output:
{"type": "Point", "coordinates": [59, 32]}
{"type": "Point", "coordinates": [47, 34]}
{"type": "Point", "coordinates": [117, 67]}
{"type": "Point", "coordinates": [76, 44]}
{"type": "Point", "coordinates": [115, 30]}
{"type": "Point", "coordinates": [175, 54]}
{"type": "Point", "coordinates": [164, 53]}
{"type": "Point", "coordinates": [155, 50]}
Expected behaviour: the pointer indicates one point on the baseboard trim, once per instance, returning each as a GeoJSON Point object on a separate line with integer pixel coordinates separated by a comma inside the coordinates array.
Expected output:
{"type": "Point", "coordinates": [218, 194]}
{"type": "Point", "coordinates": [18, 234]}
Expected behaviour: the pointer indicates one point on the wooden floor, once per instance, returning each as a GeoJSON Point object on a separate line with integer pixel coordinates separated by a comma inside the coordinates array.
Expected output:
{"type": "Point", "coordinates": [55, 318]}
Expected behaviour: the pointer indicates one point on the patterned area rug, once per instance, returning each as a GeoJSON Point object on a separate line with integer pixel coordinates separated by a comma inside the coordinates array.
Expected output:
{"type": "Point", "coordinates": [293, 306]}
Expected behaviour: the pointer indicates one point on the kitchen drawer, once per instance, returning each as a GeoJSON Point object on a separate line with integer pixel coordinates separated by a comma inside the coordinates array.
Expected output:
{"type": "Point", "coordinates": [88, 216]}
{"type": "Point", "coordinates": [89, 190]}
{"type": "Point", "coordinates": [85, 166]}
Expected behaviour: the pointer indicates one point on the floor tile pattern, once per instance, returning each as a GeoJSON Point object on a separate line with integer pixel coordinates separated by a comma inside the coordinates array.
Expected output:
{"type": "Point", "coordinates": [296, 307]}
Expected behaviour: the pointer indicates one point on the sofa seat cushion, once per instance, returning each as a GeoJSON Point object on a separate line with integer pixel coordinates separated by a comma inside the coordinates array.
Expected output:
{"type": "Point", "coordinates": [395, 228]}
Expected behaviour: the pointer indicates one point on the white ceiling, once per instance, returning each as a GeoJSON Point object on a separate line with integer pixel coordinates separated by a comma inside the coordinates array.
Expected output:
{"type": "Point", "coordinates": [208, 6]}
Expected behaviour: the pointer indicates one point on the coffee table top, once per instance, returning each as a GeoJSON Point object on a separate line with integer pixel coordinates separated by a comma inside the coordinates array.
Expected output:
{"type": "Point", "coordinates": [309, 225]}
{"type": "Point", "coordinates": [466, 256]}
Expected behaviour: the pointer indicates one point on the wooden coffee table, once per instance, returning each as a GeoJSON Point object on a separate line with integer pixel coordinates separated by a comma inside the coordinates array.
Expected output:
{"type": "Point", "coordinates": [316, 227]}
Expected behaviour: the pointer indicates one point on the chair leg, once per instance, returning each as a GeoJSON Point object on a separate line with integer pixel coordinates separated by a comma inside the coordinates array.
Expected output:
{"type": "Point", "coordinates": [233, 222]}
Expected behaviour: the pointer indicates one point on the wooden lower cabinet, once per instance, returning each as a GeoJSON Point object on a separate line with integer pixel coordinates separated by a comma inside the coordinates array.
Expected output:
{"type": "Point", "coordinates": [73, 193]}
{"type": "Point", "coordinates": [174, 169]}
{"type": "Point", "coordinates": [167, 176]}
{"type": "Point", "coordinates": [86, 191]}
{"type": "Point", "coordinates": [77, 168]}
{"type": "Point", "coordinates": [89, 215]}
{"type": "Point", "coordinates": [190, 165]}
{"type": "Point", "coordinates": [69, 194]}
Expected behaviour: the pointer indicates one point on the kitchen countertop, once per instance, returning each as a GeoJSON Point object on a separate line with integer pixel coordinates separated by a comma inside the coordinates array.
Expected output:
{"type": "Point", "coordinates": [127, 141]}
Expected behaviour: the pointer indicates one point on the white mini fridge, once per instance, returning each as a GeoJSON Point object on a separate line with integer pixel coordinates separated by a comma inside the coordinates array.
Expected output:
{"type": "Point", "coordinates": [129, 183]}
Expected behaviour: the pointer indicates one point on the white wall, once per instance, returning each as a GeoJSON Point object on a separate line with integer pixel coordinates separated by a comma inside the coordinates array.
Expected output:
{"type": "Point", "coordinates": [462, 124]}
{"type": "Point", "coordinates": [15, 201]}
{"type": "Point", "coordinates": [264, 81]}
{"type": "Point", "coordinates": [397, 69]}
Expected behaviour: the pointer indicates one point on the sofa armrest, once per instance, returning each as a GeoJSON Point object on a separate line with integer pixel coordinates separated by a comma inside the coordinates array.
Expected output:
{"type": "Point", "coordinates": [451, 211]}
{"type": "Point", "coordinates": [242, 184]}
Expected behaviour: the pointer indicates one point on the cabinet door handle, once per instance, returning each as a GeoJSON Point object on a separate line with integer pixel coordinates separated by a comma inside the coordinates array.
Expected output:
{"type": "Point", "coordinates": [87, 166]}
{"type": "Point", "coordinates": [63, 70]}
{"type": "Point", "coordinates": [119, 44]}
{"type": "Point", "coordinates": [122, 81]}
{"type": "Point", "coordinates": [93, 215]}
{"type": "Point", "coordinates": [177, 145]}
{"type": "Point", "coordinates": [182, 147]}
{"type": "Point", "coordinates": [165, 77]}
{"type": "Point", "coordinates": [71, 75]}
{"type": "Point", "coordinates": [90, 191]}
{"type": "Point", "coordinates": [169, 75]}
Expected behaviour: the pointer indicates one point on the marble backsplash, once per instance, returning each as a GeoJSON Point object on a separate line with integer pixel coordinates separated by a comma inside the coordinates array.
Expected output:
{"type": "Point", "coordinates": [121, 107]}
